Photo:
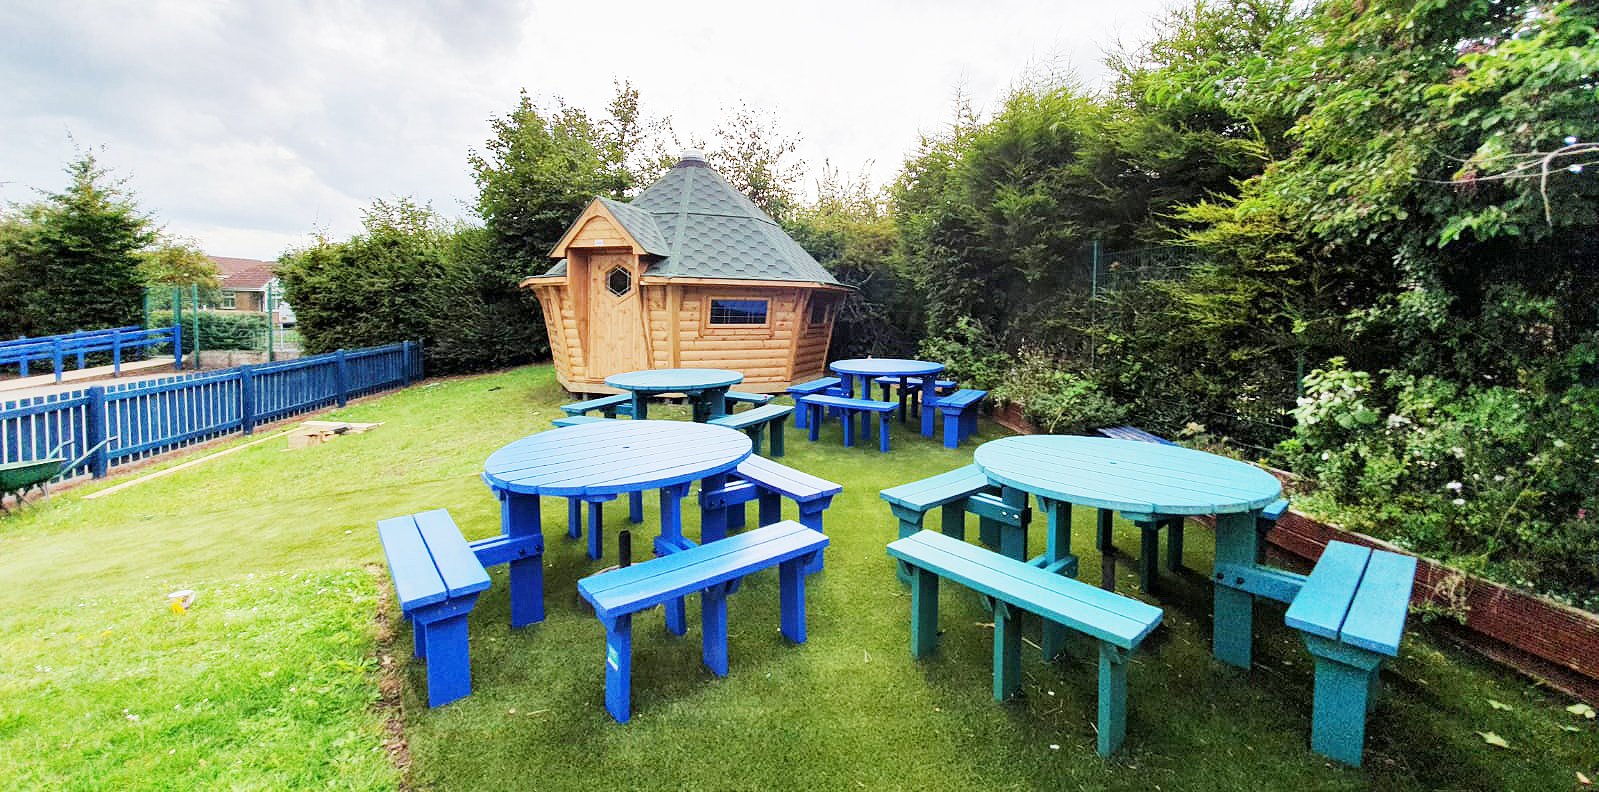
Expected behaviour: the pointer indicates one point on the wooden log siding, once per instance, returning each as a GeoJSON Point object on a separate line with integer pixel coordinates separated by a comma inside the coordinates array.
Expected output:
{"type": "Point", "coordinates": [150, 417]}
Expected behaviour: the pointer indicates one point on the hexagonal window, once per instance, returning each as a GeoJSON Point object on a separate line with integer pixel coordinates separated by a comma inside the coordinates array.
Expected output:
{"type": "Point", "coordinates": [619, 281]}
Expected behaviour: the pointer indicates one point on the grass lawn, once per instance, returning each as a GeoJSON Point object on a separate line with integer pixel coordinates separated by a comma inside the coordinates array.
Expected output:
{"type": "Point", "coordinates": [272, 680]}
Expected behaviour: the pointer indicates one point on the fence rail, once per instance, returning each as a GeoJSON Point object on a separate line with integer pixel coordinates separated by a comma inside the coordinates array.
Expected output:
{"type": "Point", "coordinates": [59, 349]}
{"type": "Point", "coordinates": [128, 422]}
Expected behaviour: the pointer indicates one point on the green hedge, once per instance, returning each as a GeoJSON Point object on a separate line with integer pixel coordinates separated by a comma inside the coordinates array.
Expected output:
{"type": "Point", "coordinates": [219, 330]}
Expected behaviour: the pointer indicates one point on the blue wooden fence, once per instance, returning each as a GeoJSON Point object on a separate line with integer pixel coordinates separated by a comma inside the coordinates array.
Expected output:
{"type": "Point", "coordinates": [136, 420]}
{"type": "Point", "coordinates": [58, 350]}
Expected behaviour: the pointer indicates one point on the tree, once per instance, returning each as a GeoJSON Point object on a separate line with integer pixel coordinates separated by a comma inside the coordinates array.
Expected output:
{"type": "Point", "coordinates": [180, 264]}
{"type": "Point", "coordinates": [71, 260]}
{"type": "Point", "coordinates": [754, 156]}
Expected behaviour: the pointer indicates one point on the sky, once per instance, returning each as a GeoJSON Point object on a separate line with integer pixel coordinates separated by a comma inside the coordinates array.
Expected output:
{"type": "Point", "coordinates": [248, 126]}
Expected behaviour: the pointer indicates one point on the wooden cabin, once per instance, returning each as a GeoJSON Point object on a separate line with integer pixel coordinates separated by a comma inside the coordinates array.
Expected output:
{"type": "Point", "coordinates": [689, 274]}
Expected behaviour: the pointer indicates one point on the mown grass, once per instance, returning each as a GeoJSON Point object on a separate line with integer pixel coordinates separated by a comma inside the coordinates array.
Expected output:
{"type": "Point", "coordinates": [271, 681]}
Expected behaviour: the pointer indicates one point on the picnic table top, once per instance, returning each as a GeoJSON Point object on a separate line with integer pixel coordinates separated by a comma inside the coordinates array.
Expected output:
{"type": "Point", "coordinates": [1126, 475]}
{"type": "Point", "coordinates": [613, 457]}
{"type": "Point", "coordinates": [678, 380]}
{"type": "Point", "coordinates": [886, 367]}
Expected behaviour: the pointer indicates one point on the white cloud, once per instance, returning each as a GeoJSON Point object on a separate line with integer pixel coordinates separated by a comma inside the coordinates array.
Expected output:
{"type": "Point", "coordinates": [247, 125]}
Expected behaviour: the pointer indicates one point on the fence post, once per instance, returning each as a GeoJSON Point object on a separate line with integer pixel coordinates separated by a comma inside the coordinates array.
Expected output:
{"type": "Point", "coordinates": [342, 377]}
{"type": "Point", "coordinates": [247, 398]}
{"type": "Point", "coordinates": [116, 352]}
{"type": "Point", "coordinates": [405, 363]}
{"type": "Point", "coordinates": [95, 431]}
{"type": "Point", "coordinates": [418, 373]}
{"type": "Point", "coordinates": [194, 303]}
{"type": "Point", "coordinates": [177, 346]}
{"type": "Point", "coordinates": [55, 354]}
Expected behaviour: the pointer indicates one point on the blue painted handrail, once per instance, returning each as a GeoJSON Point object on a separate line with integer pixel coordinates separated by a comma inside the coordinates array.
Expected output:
{"type": "Point", "coordinates": [57, 349]}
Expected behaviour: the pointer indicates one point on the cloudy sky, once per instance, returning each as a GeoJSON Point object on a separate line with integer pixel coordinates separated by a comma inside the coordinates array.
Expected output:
{"type": "Point", "coordinates": [248, 125]}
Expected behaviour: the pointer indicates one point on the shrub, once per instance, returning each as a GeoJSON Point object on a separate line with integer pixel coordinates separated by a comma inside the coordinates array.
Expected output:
{"type": "Point", "coordinates": [219, 329]}
{"type": "Point", "coordinates": [1054, 399]}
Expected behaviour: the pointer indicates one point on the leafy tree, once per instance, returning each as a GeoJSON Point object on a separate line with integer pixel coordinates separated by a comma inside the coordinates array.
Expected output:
{"type": "Point", "coordinates": [70, 261]}
{"type": "Point", "coordinates": [754, 156]}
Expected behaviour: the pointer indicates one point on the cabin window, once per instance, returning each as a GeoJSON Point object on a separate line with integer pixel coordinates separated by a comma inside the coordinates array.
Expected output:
{"type": "Point", "coordinates": [738, 312]}
{"type": "Point", "coordinates": [820, 309]}
{"type": "Point", "coordinates": [230, 300]}
{"type": "Point", "coordinates": [619, 281]}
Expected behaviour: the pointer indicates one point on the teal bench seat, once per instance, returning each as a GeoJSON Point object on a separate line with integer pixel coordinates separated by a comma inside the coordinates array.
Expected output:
{"type": "Point", "coordinates": [911, 502]}
{"type": "Point", "coordinates": [822, 385]}
{"type": "Point", "coordinates": [770, 417]}
{"type": "Point", "coordinates": [713, 570]}
{"type": "Point", "coordinates": [609, 406]}
{"type": "Point", "coordinates": [960, 414]}
{"type": "Point", "coordinates": [735, 398]}
{"type": "Point", "coordinates": [437, 578]}
{"type": "Point", "coordinates": [1116, 623]}
{"type": "Point", "coordinates": [768, 483]}
{"type": "Point", "coordinates": [1351, 611]}
{"type": "Point", "coordinates": [816, 403]}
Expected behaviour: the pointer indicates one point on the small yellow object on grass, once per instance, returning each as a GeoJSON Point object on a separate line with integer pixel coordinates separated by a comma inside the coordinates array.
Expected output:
{"type": "Point", "coordinates": [179, 601]}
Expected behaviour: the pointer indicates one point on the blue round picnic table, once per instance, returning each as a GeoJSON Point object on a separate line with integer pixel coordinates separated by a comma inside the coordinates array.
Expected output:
{"type": "Point", "coordinates": [1153, 485]}
{"type": "Point", "coordinates": [594, 463]}
{"type": "Point", "coordinates": [707, 388]}
{"type": "Point", "coordinates": [869, 369]}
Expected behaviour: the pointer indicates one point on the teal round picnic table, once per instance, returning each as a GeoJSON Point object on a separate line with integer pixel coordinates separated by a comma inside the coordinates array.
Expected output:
{"type": "Point", "coordinates": [1152, 485]}
{"type": "Point", "coordinates": [706, 388]}
{"type": "Point", "coordinates": [596, 462]}
{"type": "Point", "coordinates": [869, 369]}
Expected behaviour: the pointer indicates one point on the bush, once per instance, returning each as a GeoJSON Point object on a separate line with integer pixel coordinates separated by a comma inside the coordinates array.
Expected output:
{"type": "Point", "coordinates": [219, 330]}
{"type": "Point", "coordinates": [1055, 400]}
{"type": "Point", "coordinates": [969, 354]}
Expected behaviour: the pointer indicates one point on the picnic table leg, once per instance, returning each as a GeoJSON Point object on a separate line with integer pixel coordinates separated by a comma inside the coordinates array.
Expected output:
{"type": "Point", "coordinates": [619, 667]}
{"type": "Point", "coordinates": [904, 400]}
{"type": "Point", "coordinates": [813, 422]}
{"type": "Point", "coordinates": [924, 611]}
{"type": "Point", "coordinates": [1112, 698]}
{"type": "Point", "coordinates": [574, 518]}
{"type": "Point", "coordinates": [776, 430]}
{"type": "Point", "coordinates": [927, 397]}
{"type": "Point", "coordinates": [882, 432]}
{"type": "Point", "coordinates": [641, 405]}
{"type": "Point", "coordinates": [849, 429]}
{"type": "Point", "coordinates": [713, 519]}
{"type": "Point", "coordinates": [1148, 554]}
{"type": "Point", "coordinates": [1057, 556]}
{"type": "Point", "coordinates": [715, 403]}
{"type": "Point", "coordinates": [1174, 544]}
{"type": "Point", "coordinates": [635, 507]}
{"type": "Point", "coordinates": [596, 527]}
{"type": "Point", "coordinates": [1236, 543]}
{"type": "Point", "coordinates": [1007, 651]}
{"type": "Point", "coordinates": [519, 514]}
{"type": "Point", "coordinates": [1107, 550]}
{"type": "Point", "coordinates": [670, 541]}
{"type": "Point", "coordinates": [791, 599]}
{"type": "Point", "coordinates": [1013, 538]}
{"type": "Point", "coordinates": [713, 623]}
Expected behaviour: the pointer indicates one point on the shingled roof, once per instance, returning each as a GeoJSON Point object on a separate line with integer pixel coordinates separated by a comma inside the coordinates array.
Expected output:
{"type": "Point", "coordinates": [701, 227]}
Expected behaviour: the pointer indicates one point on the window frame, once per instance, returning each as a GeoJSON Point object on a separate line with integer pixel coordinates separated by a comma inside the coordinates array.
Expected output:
{"type": "Point", "coordinates": [827, 304]}
{"type": "Point", "coordinates": [230, 300]}
{"type": "Point", "coordinates": [710, 311]}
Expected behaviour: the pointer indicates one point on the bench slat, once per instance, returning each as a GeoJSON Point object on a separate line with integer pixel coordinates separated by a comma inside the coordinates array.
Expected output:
{"type": "Point", "coordinates": [1133, 433]}
{"type": "Point", "coordinates": [666, 578]}
{"type": "Point", "coordinates": [842, 402]}
{"type": "Point", "coordinates": [1324, 601]}
{"type": "Point", "coordinates": [1101, 614]}
{"type": "Point", "coordinates": [961, 399]}
{"type": "Point", "coordinates": [748, 418]}
{"type": "Point", "coordinates": [814, 386]}
{"type": "Point", "coordinates": [1377, 616]}
{"type": "Point", "coordinates": [578, 408]}
{"type": "Point", "coordinates": [786, 481]}
{"type": "Point", "coordinates": [456, 563]}
{"type": "Point", "coordinates": [416, 580]}
{"type": "Point", "coordinates": [938, 490]}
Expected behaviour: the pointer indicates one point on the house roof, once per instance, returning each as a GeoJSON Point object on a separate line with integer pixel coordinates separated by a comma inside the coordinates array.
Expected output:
{"type": "Point", "coordinates": [241, 274]}
{"type": "Point", "coordinates": [701, 227]}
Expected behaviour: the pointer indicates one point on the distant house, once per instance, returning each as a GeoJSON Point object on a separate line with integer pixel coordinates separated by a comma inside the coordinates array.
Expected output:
{"type": "Point", "coordinates": [245, 284]}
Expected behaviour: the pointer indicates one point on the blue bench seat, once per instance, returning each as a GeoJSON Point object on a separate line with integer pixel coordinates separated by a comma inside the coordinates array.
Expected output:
{"type": "Point", "coordinates": [1116, 623]}
{"type": "Point", "coordinates": [960, 414]}
{"type": "Point", "coordinates": [1132, 433]}
{"type": "Point", "coordinates": [609, 406]}
{"type": "Point", "coordinates": [437, 578]}
{"type": "Point", "coordinates": [768, 483]}
{"type": "Point", "coordinates": [575, 420]}
{"type": "Point", "coordinates": [735, 398]}
{"type": "Point", "coordinates": [913, 391]}
{"type": "Point", "coordinates": [713, 570]}
{"type": "Point", "coordinates": [770, 417]}
{"type": "Point", "coordinates": [1351, 612]}
{"type": "Point", "coordinates": [823, 385]}
{"type": "Point", "coordinates": [816, 403]}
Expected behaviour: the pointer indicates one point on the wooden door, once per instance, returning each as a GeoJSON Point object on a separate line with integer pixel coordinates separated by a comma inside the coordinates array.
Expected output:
{"type": "Point", "coordinates": [616, 326]}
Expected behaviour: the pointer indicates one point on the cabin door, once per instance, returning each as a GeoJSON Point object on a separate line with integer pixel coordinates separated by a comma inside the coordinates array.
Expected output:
{"type": "Point", "coordinates": [616, 325]}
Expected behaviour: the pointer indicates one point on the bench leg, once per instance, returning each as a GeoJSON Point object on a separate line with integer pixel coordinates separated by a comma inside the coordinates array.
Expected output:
{"type": "Point", "coordinates": [713, 520]}
{"type": "Point", "coordinates": [1343, 697]}
{"type": "Point", "coordinates": [1174, 544]}
{"type": "Point", "coordinates": [849, 429]}
{"type": "Point", "coordinates": [596, 528]}
{"type": "Point", "coordinates": [800, 411]}
{"type": "Point", "coordinates": [952, 429]}
{"type": "Point", "coordinates": [713, 625]}
{"type": "Point", "coordinates": [1148, 555]}
{"type": "Point", "coordinates": [1233, 620]}
{"type": "Point", "coordinates": [519, 516]}
{"type": "Point", "coordinates": [776, 430]}
{"type": "Point", "coordinates": [641, 406]}
{"type": "Point", "coordinates": [952, 520]}
{"type": "Point", "coordinates": [1007, 651]}
{"type": "Point", "coordinates": [1112, 698]}
{"type": "Point", "coordinates": [988, 532]}
{"type": "Point", "coordinates": [635, 507]}
{"type": "Point", "coordinates": [882, 432]}
{"type": "Point", "coordinates": [927, 398]}
{"type": "Point", "coordinates": [1107, 550]}
{"type": "Point", "coordinates": [448, 659]}
{"type": "Point", "coordinates": [419, 640]}
{"type": "Point", "coordinates": [810, 516]}
{"type": "Point", "coordinates": [754, 433]}
{"type": "Point", "coordinates": [736, 517]}
{"type": "Point", "coordinates": [866, 425]}
{"type": "Point", "coordinates": [574, 518]}
{"type": "Point", "coordinates": [1057, 548]}
{"type": "Point", "coordinates": [769, 507]}
{"type": "Point", "coordinates": [814, 422]}
{"type": "Point", "coordinates": [791, 599]}
{"type": "Point", "coordinates": [619, 667]}
{"type": "Point", "coordinates": [924, 612]}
